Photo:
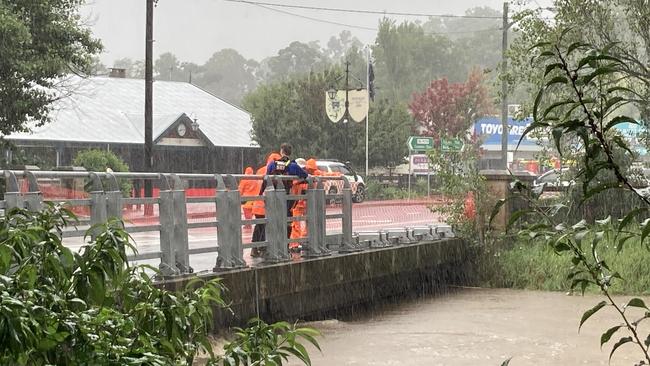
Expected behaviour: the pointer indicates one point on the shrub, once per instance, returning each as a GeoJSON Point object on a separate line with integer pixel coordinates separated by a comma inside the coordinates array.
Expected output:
{"type": "Point", "coordinates": [59, 307]}
{"type": "Point", "coordinates": [91, 307]}
{"type": "Point", "coordinates": [95, 160]}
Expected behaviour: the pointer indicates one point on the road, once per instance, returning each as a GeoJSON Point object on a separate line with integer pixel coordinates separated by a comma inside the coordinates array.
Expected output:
{"type": "Point", "coordinates": [367, 216]}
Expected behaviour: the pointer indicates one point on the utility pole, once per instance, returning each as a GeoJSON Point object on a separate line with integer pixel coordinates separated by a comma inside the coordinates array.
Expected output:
{"type": "Point", "coordinates": [504, 90]}
{"type": "Point", "coordinates": [148, 103]}
{"type": "Point", "coordinates": [346, 118]}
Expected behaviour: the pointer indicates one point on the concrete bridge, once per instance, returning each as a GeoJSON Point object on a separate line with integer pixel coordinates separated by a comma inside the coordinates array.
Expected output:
{"type": "Point", "coordinates": [338, 265]}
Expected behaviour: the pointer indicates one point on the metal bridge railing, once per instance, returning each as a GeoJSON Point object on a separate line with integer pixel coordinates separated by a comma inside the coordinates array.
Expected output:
{"type": "Point", "coordinates": [105, 200]}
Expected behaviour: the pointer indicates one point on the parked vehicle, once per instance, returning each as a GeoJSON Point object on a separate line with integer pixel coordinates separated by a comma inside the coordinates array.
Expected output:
{"type": "Point", "coordinates": [556, 178]}
{"type": "Point", "coordinates": [356, 181]}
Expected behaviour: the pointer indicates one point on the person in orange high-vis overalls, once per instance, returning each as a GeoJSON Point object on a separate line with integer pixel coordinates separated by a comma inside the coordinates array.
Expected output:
{"type": "Point", "coordinates": [299, 228]}
{"type": "Point", "coordinates": [248, 187]}
{"type": "Point", "coordinates": [259, 210]}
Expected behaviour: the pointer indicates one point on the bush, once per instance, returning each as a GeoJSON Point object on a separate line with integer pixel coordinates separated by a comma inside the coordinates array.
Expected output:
{"type": "Point", "coordinates": [379, 191]}
{"type": "Point", "coordinates": [95, 160]}
{"type": "Point", "coordinates": [91, 307]}
{"type": "Point", "coordinates": [59, 307]}
{"type": "Point", "coordinates": [534, 265]}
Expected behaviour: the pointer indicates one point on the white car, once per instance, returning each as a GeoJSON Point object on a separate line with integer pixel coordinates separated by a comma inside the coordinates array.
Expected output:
{"type": "Point", "coordinates": [356, 181]}
{"type": "Point", "coordinates": [555, 178]}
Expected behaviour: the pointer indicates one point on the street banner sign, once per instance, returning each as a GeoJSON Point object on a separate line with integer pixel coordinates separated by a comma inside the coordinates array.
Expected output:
{"type": "Point", "coordinates": [450, 145]}
{"type": "Point", "coordinates": [420, 143]}
{"type": "Point", "coordinates": [358, 108]}
{"type": "Point", "coordinates": [335, 108]}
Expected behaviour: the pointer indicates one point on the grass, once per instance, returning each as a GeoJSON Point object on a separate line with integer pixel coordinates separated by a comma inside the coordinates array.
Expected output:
{"type": "Point", "coordinates": [534, 266]}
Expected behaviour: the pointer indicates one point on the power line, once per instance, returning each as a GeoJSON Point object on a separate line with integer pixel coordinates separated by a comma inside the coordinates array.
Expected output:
{"type": "Point", "coordinates": [347, 24]}
{"type": "Point", "coordinates": [359, 11]}
{"type": "Point", "coordinates": [307, 17]}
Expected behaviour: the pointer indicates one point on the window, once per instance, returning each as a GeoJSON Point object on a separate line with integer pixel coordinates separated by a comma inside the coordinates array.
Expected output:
{"type": "Point", "coordinates": [323, 168]}
{"type": "Point", "coordinates": [550, 177]}
{"type": "Point", "coordinates": [344, 170]}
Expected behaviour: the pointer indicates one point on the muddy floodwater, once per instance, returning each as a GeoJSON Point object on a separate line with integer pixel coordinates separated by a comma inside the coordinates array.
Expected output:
{"type": "Point", "coordinates": [475, 327]}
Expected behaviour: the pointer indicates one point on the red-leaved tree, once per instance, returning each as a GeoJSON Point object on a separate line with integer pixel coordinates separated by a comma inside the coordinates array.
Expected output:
{"type": "Point", "coordinates": [448, 109]}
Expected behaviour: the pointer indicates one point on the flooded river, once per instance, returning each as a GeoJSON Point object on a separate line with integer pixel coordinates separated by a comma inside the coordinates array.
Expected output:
{"type": "Point", "coordinates": [474, 327]}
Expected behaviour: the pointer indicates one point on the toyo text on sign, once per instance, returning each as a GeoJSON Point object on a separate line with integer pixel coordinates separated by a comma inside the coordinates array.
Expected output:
{"type": "Point", "coordinates": [494, 128]}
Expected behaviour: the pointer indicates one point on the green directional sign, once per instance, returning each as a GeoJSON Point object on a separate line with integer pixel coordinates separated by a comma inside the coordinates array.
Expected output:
{"type": "Point", "coordinates": [450, 145]}
{"type": "Point", "coordinates": [420, 143]}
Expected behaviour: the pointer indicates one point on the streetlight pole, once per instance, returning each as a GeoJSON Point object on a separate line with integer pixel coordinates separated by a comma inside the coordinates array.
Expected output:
{"type": "Point", "coordinates": [368, 112]}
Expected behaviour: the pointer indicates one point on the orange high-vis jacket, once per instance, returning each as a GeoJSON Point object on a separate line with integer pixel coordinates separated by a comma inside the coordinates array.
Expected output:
{"type": "Point", "coordinates": [258, 206]}
{"type": "Point", "coordinates": [248, 187]}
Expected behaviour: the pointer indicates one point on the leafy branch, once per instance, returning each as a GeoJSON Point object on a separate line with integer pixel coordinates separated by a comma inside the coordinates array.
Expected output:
{"type": "Point", "coordinates": [583, 89]}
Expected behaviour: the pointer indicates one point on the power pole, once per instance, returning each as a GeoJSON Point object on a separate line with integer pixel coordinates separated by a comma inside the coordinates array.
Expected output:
{"type": "Point", "coordinates": [504, 90]}
{"type": "Point", "coordinates": [148, 103]}
{"type": "Point", "coordinates": [346, 118]}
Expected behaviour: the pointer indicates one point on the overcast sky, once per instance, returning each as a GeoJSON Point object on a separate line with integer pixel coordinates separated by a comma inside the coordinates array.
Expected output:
{"type": "Point", "coordinates": [194, 29]}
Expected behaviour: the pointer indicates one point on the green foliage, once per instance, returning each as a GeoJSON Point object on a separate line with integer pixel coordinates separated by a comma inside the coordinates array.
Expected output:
{"type": "Point", "coordinates": [533, 265]}
{"type": "Point", "coordinates": [268, 344]}
{"type": "Point", "coordinates": [60, 307]}
{"type": "Point", "coordinates": [299, 104]}
{"type": "Point", "coordinates": [42, 41]}
{"type": "Point", "coordinates": [458, 179]}
{"type": "Point", "coordinates": [407, 58]}
{"type": "Point", "coordinates": [581, 95]}
{"type": "Point", "coordinates": [95, 160]}
{"type": "Point", "coordinates": [227, 74]}
{"type": "Point", "coordinates": [379, 191]}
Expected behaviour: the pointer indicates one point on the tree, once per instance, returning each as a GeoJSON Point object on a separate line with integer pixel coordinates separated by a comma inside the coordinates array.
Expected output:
{"type": "Point", "coordinates": [42, 41]}
{"type": "Point", "coordinates": [448, 109]}
{"type": "Point", "coordinates": [338, 47]}
{"type": "Point", "coordinates": [407, 58]}
{"type": "Point", "coordinates": [134, 69]}
{"type": "Point", "coordinates": [294, 111]}
{"type": "Point", "coordinates": [600, 24]}
{"type": "Point", "coordinates": [297, 58]}
{"type": "Point", "coordinates": [476, 41]}
{"type": "Point", "coordinates": [228, 75]}
{"type": "Point", "coordinates": [167, 67]}
{"type": "Point", "coordinates": [389, 127]}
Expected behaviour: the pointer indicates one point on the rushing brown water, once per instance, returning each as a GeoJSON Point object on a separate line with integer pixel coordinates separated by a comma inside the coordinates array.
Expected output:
{"type": "Point", "coordinates": [475, 327]}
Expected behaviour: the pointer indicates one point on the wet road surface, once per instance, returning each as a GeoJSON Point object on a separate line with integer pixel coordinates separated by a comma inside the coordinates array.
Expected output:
{"type": "Point", "coordinates": [475, 327]}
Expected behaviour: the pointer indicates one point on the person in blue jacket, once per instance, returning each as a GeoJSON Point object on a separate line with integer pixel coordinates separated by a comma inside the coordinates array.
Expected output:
{"type": "Point", "coordinates": [285, 166]}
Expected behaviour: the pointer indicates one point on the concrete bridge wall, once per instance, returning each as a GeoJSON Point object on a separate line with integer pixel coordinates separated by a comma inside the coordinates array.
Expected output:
{"type": "Point", "coordinates": [312, 288]}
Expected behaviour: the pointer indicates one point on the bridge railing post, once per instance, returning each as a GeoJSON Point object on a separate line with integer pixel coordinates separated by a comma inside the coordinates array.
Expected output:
{"type": "Point", "coordinates": [33, 197]}
{"type": "Point", "coordinates": [316, 221]}
{"type": "Point", "coordinates": [13, 198]}
{"type": "Point", "coordinates": [277, 249]}
{"type": "Point", "coordinates": [97, 203]}
{"type": "Point", "coordinates": [167, 264]}
{"type": "Point", "coordinates": [113, 198]}
{"type": "Point", "coordinates": [229, 238]}
{"type": "Point", "coordinates": [180, 236]}
{"type": "Point", "coordinates": [348, 244]}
